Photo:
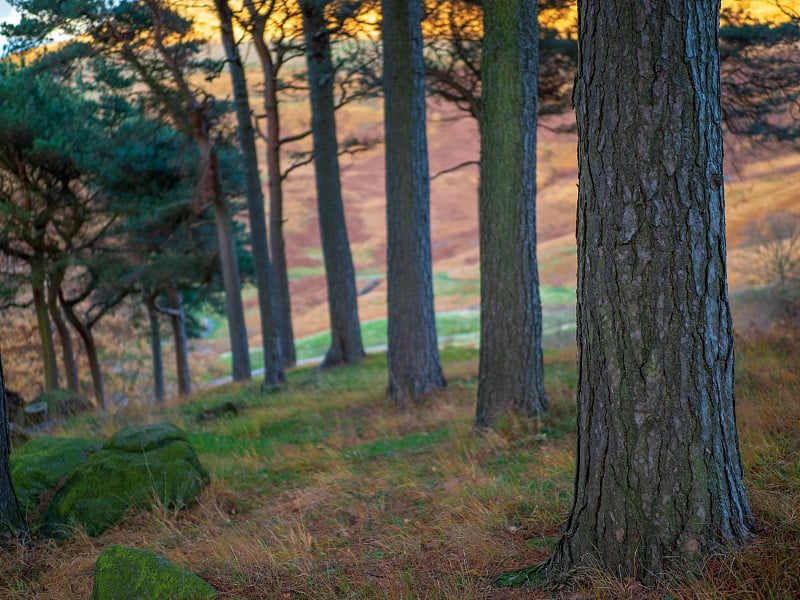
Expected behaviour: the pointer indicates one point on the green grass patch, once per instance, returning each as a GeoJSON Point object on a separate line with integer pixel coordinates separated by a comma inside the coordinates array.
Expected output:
{"type": "Point", "coordinates": [414, 443]}
{"type": "Point", "coordinates": [444, 285]}
{"type": "Point", "coordinates": [322, 482]}
{"type": "Point", "coordinates": [558, 329]}
{"type": "Point", "coordinates": [296, 273]}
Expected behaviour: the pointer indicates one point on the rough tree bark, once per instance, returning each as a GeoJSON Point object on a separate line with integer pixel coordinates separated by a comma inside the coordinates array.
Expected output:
{"type": "Point", "coordinates": [265, 278]}
{"type": "Point", "coordinates": [511, 372]}
{"type": "Point", "coordinates": [414, 366]}
{"type": "Point", "coordinates": [12, 525]}
{"type": "Point", "coordinates": [659, 475]}
{"type": "Point", "coordinates": [275, 185]}
{"type": "Point", "coordinates": [346, 345]}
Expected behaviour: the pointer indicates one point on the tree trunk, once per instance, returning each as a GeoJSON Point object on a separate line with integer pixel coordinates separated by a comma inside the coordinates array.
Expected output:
{"type": "Point", "coordinates": [155, 349]}
{"type": "Point", "coordinates": [89, 345]}
{"type": "Point", "coordinates": [178, 321]}
{"type": "Point", "coordinates": [67, 350]}
{"type": "Point", "coordinates": [659, 476]}
{"type": "Point", "coordinates": [414, 366]}
{"type": "Point", "coordinates": [45, 329]}
{"type": "Point", "coordinates": [265, 279]}
{"type": "Point", "coordinates": [346, 344]}
{"type": "Point", "coordinates": [275, 184]}
{"type": "Point", "coordinates": [11, 522]}
{"type": "Point", "coordinates": [234, 307]}
{"type": "Point", "coordinates": [511, 372]}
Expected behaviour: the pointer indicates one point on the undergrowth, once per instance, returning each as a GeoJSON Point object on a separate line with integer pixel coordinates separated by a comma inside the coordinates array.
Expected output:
{"type": "Point", "coordinates": [324, 491]}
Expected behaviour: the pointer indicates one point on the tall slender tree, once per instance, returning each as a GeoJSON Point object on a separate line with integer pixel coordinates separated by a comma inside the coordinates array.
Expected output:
{"type": "Point", "coordinates": [273, 55]}
{"type": "Point", "coordinates": [659, 475]}
{"type": "Point", "coordinates": [511, 372]}
{"type": "Point", "coordinates": [265, 277]}
{"type": "Point", "coordinates": [65, 337]}
{"type": "Point", "coordinates": [414, 366]}
{"type": "Point", "coordinates": [155, 347]}
{"type": "Point", "coordinates": [177, 316]}
{"type": "Point", "coordinates": [346, 344]}
{"type": "Point", "coordinates": [38, 264]}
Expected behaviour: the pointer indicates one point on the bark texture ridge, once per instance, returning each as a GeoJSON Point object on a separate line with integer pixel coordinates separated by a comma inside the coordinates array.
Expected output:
{"type": "Point", "coordinates": [659, 475]}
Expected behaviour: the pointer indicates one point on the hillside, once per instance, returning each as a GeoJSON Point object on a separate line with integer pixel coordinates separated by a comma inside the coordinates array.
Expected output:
{"type": "Point", "coordinates": [759, 180]}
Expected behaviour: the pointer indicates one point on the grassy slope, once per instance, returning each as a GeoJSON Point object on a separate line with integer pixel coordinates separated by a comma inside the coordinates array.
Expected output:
{"type": "Point", "coordinates": [320, 491]}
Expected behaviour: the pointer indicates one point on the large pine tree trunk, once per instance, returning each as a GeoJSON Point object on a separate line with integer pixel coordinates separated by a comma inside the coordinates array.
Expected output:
{"type": "Point", "coordinates": [659, 476]}
{"type": "Point", "coordinates": [275, 186]}
{"type": "Point", "coordinates": [265, 279]}
{"type": "Point", "coordinates": [414, 366]}
{"type": "Point", "coordinates": [12, 524]}
{"type": "Point", "coordinates": [346, 344]}
{"type": "Point", "coordinates": [511, 372]}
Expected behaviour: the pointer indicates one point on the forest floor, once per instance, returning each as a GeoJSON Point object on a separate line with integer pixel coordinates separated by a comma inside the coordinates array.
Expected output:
{"type": "Point", "coordinates": [323, 491]}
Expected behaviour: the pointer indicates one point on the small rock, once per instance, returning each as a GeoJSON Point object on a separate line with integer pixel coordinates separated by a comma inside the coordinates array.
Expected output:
{"type": "Point", "coordinates": [227, 409]}
{"type": "Point", "coordinates": [123, 573]}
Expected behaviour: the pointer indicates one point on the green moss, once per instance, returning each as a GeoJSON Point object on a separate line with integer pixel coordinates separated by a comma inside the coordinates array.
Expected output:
{"type": "Point", "coordinates": [144, 438]}
{"type": "Point", "coordinates": [414, 443]}
{"type": "Point", "coordinates": [527, 577]}
{"type": "Point", "coordinates": [99, 492]}
{"type": "Point", "coordinates": [43, 462]}
{"type": "Point", "coordinates": [122, 573]}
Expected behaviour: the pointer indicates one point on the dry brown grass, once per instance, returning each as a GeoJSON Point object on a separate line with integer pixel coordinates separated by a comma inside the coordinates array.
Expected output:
{"type": "Point", "coordinates": [324, 492]}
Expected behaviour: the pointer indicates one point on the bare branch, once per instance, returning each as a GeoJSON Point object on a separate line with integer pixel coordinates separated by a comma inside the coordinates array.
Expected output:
{"type": "Point", "coordinates": [466, 163]}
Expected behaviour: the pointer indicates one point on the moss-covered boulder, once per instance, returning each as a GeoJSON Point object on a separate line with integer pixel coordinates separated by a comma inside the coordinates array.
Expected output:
{"type": "Point", "coordinates": [136, 467]}
{"type": "Point", "coordinates": [40, 465]}
{"type": "Point", "coordinates": [122, 573]}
